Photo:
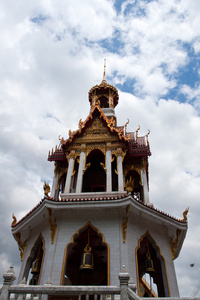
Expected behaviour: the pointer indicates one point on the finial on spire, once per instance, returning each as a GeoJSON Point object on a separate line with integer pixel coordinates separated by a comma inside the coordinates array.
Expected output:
{"type": "Point", "coordinates": [104, 72]}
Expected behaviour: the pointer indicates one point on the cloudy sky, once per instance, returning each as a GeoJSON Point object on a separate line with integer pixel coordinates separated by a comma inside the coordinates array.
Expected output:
{"type": "Point", "coordinates": [52, 53]}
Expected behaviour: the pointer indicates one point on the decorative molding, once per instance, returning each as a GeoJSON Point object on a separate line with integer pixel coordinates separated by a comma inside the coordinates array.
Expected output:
{"type": "Point", "coordinates": [52, 223]}
{"type": "Point", "coordinates": [100, 146]}
{"type": "Point", "coordinates": [173, 242]}
{"type": "Point", "coordinates": [21, 246]}
{"type": "Point", "coordinates": [125, 223]}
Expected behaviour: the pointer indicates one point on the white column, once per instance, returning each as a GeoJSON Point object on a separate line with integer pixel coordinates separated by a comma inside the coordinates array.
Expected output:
{"type": "Point", "coordinates": [145, 186]}
{"type": "Point", "coordinates": [54, 185]}
{"type": "Point", "coordinates": [69, 175]}
{"type": "Point", "coordinates": [120, 174]}
{"type": "Point", "coordinates": [109, 172]}
{"type": "Point", "coordinates": [80, 173]}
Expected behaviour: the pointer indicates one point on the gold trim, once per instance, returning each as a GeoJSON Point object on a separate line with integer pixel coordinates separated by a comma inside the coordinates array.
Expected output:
{"type": "Point", "coordinates": [136, 167]}
{"type": "Point", "coordinates": [125, 223]}
{"type": "Point", "coordinates": [59, 170]}
{"type": "Point", "coordinates": [46, 188]}
{"type": "Point", "coordinates": [101, 147]}
{"type": "Point", "coordinates": [136, 258]}
{"type": "Point", "coordinates": [72, 155]}
{"type": "Point", "coordinates": [14, 220]}
{"type": "Point", "coordinates": [52, 223]}
{"type": "Point", "coordinates": [185, 214]}
{"type": "Point", "coordinates": [72, 240]}
{"type": "Point", "coordinates": [137, 132]}
{"type": "Point", "coordinates": [173, 243]}
{"type": "Point", "coordinates": [129, 185]}
{"type": "Point", "coordinates": [21, 246]}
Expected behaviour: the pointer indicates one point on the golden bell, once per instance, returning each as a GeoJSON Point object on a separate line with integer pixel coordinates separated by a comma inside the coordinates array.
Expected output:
{"type": "Point", "coordinates": [149, 264]}
{"type": "Point", "coordinates": [87, 259]}
{"type": "Point", "coordinates": [35, 267]}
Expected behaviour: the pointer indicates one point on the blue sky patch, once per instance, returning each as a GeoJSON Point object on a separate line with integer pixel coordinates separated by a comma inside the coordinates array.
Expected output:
{"type": "Point", "coordinates": [39, 20]}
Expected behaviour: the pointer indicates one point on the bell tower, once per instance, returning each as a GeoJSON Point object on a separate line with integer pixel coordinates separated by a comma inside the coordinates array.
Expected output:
{"type": "Point", "coordinates": [97, 217]}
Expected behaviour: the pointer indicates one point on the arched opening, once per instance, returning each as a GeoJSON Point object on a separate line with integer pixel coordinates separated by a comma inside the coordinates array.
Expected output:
{"type": "Point", "coordinates": [34, 263]}
{"type": "Point", "coordinates": [94, 178]}
{"type": "Point", "coordinates": [134, 176]}
{"type": "Point", "coordinates": [104, 103]}
{"type": "Point", "coordinates": [152, 281]}
{"type": "Point", "coordinates": [73, 275]}
{"type": "Point", "coordinates": [114, 174]}
{"type": "Point", "coordinates": [61, 171]}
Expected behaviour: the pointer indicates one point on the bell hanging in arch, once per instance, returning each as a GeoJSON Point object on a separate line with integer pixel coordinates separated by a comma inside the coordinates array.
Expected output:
{"type": "Point", "coordinates": [149, 263]}
{"type": "Point", "coordinates": [87, 259]}
{"type": "Point", "coordinates": [35, 267]}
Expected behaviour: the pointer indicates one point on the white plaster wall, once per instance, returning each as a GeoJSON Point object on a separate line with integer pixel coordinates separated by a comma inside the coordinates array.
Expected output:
{"type": "Point", "coordinates": [109, 222]}
{"type": "Point", "coordinates": [106, 220]}
{"type": "Point", "coordinates": [137, 227]}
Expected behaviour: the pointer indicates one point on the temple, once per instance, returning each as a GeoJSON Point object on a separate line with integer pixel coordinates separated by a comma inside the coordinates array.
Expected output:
{"type": "Point", "coordinates": [97, 216]}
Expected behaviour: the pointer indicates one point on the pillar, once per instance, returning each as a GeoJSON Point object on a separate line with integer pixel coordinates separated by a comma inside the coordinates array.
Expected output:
{"type": "Point", "coordinates": [69, 171]}
{"type": "Point", "coordinates": [124, 279]}
{"type": "Point", "coordinates": [109, 172]}
{"type": "Point", "coordinates": [120, 171]}
{"type": "Point", "coordinates": [80, 173]}
{"type": "Point", "coordinates": [54, 185]}
{"type": "Point", "coordinates": [9, 277]}
{"type": "Point", "coordinates": [145, 186]}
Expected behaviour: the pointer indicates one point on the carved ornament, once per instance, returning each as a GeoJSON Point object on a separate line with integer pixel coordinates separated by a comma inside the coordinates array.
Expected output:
{"type": "Point", "coordinates": [173, 242]}
{"type": "Point", "coordinates": [72, 155]}
{"type": "Point", "coordinates": [80, 124]}
{"type": "Point", "coordinates": [21, 246]}
{"type": "Point", "coordinates": [14, 220]}
{"type": "Point", "coordinates": [137, 132]}
{"type": "Point", "coordinates": [101, 147]}
{"type": "Point", "coordinates": [59, 170]}
{"type": "Point", "coordinates": [86, 166]}
{"type": "Point", "coordinates": [103, 166]}
{"type": "Point", "coordinates": [185, 214]}
{"type": "Point", "coordinates": [129, 185]}
{"type": "Point", "coordinates": [111, 122]}
{"type": "Point", "coordinates": [46, 188]}
{"type": "Point", "coordinates": [52, 223]}
{"type": "Point", "coordinates": [137, 167]}
{"type": "Point", "coordinates": [125, 223]}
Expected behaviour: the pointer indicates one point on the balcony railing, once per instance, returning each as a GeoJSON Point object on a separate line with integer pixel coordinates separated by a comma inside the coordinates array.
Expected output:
{"type": "Point", "coordinates": [125, 291]}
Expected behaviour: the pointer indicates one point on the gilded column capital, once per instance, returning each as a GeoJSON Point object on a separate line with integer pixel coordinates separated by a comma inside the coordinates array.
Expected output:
{"type": "Point", "coordinates": [120, 152]}
{"type": "Point", "coordinates": [83, 147]}
{"type": "Point", "coordinates": [72, 154]}
{"type": "Point", "coordinates": [108, 146]}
